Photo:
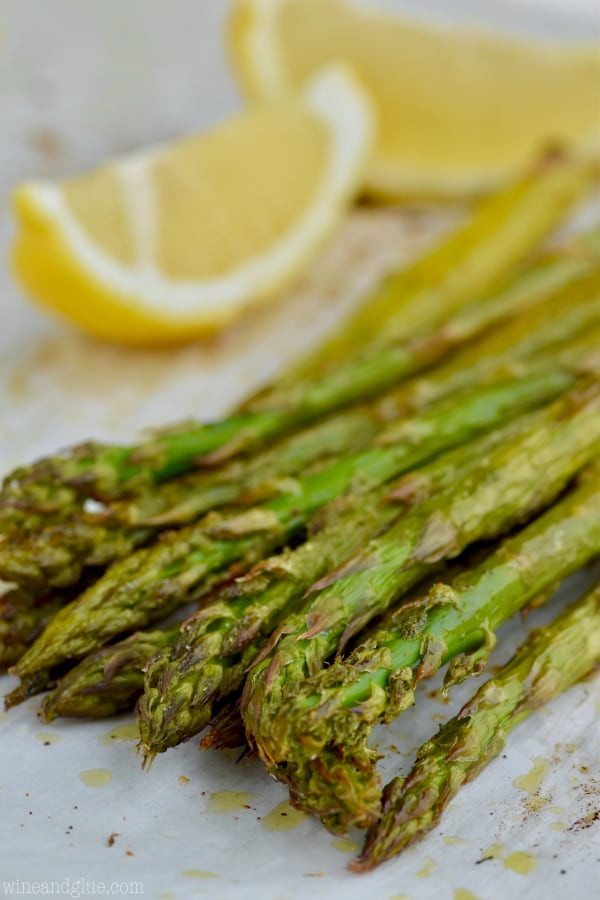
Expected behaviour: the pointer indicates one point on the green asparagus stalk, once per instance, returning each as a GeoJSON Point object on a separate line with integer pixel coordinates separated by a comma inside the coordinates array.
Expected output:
{"type": "Point", "coordinates": [57, 554]}
{"type": "Point", "coordinates": [340, 706]}
{"type": "Point", "coordinates": [25, 509]}
{"type": "Point", "coordinates": [22, 620]}
{"type": "Point", "coordinates": [220, 641]}
{"type": "Point", "coordinates": [564, 327]}
{"type": "Point", "coordinates": [109, 681]}
{"type": "Point", "coordinates": [551, 660]}
{"type": "Point", "coordinates": [460, 271]}
{"type": "Point", "coordinates": [249, 481]}
{"type": "Point", "coordinates": [510, 485]}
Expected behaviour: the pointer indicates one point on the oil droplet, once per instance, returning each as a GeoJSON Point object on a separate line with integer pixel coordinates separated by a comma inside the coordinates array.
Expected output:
{"type": "Point", "coordinates": [127, 732]}
{"type": "Point", "coordinates": [557, 826]}
{"type": "Point", "coordinates": [345, 846]}
{"type": "Point", "coordinates": [464, 894]}
{"type": "Point", "coordinates": [227, 801]}
{"type": "Point", "coordinates": [521, 863]}
{"type": "Point", "coordinates": [2, 716]}
{"type": "Point", "coordinates": [19, 385]}
{"type": "Point", "coordinates": [198, 873]}
{"type": "Point", "coordinates": [166, 895]}
{"type": "Point", "coordinates": [96, 777]}
{"type": "Point", "coordinates": [535, 803]}
{"type": "Point", "coordinates": [532, 780]}
{"type": "Point", "coordinates": [429, 866]}
{"type": "Point", "coordinates": [452, 839]}
{"type": "Point", "coordinates": [282, 818]}
{"type": "Point", "coordinates": [47, 737]}
{"type": "Point", "coordinates": [494, 851]}
{"type": "Point", "coordinates": [557, 810]}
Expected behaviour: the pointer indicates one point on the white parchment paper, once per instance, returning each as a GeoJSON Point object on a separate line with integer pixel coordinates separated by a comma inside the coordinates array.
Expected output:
{"type": "Point", "coordinates": [175, 834]}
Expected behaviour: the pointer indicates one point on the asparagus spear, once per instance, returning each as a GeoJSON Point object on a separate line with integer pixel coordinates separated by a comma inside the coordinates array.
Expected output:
{"type": "Point", "coordinates": [21, 621]}
{"type": "Point", "coordinates": [57, 553]}
{"type": "Point", "coordinates": [551, 660]}
{"type": "Point", "coordinates": [227, 729]}
{"type": "Point", "coordinates": [459, 271]}
{"type": "Point", "coordinates": [246, 481]}
{"type": "Point", "coordinates": [459, 268]}
{"type": "Point", "coordinates": [565, 327]}
{"type": "Point", "coordinates": [109, 681]}
{"type": "Point", "coordinates": [220, 641]}
{"type": "Point", "coordinates": [24, 508]}
{"type": "Point", "coordinates": [340, 706]}
{"type": "Point", "coordinates": [507, 487]}
{"type": "Point", "coordinates": [151, 583]}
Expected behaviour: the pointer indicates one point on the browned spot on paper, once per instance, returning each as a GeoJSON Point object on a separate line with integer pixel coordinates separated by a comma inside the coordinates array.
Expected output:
{"type": "Point", "coordinates": [47, 143]}
{"type": "Point", "coordinates": [585, 821]}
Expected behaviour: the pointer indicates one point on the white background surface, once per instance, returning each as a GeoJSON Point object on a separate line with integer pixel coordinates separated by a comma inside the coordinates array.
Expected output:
{"type": "Point", "coordinates": [79, 81]}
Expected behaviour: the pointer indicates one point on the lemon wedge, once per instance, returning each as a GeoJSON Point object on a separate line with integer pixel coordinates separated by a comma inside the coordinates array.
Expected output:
{"type": "Point", "coordinates": [459, 111]}
{"type": "Point", "coordinates": [178, 241]}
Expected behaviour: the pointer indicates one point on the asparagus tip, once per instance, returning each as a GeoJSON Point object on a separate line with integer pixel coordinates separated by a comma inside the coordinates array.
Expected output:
{"type": "Point", "coordinates": [360, 865]}
{"type": "Point", "coordinates": [15, 697]}
{"type": "Point", "coordinates": [47, 712]}
{"type": "Point", "coordinates": [148, 756]}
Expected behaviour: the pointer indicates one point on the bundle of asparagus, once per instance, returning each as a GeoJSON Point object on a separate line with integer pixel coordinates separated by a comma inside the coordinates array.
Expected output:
{"type": "Point", "coordinates": [460, 403]}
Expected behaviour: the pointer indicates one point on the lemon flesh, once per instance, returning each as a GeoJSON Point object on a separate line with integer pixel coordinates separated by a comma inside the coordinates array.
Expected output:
{"type": "Point", "coordinates": [178, 241]}
{"type": "Point", "coordinates": [458, 110]}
